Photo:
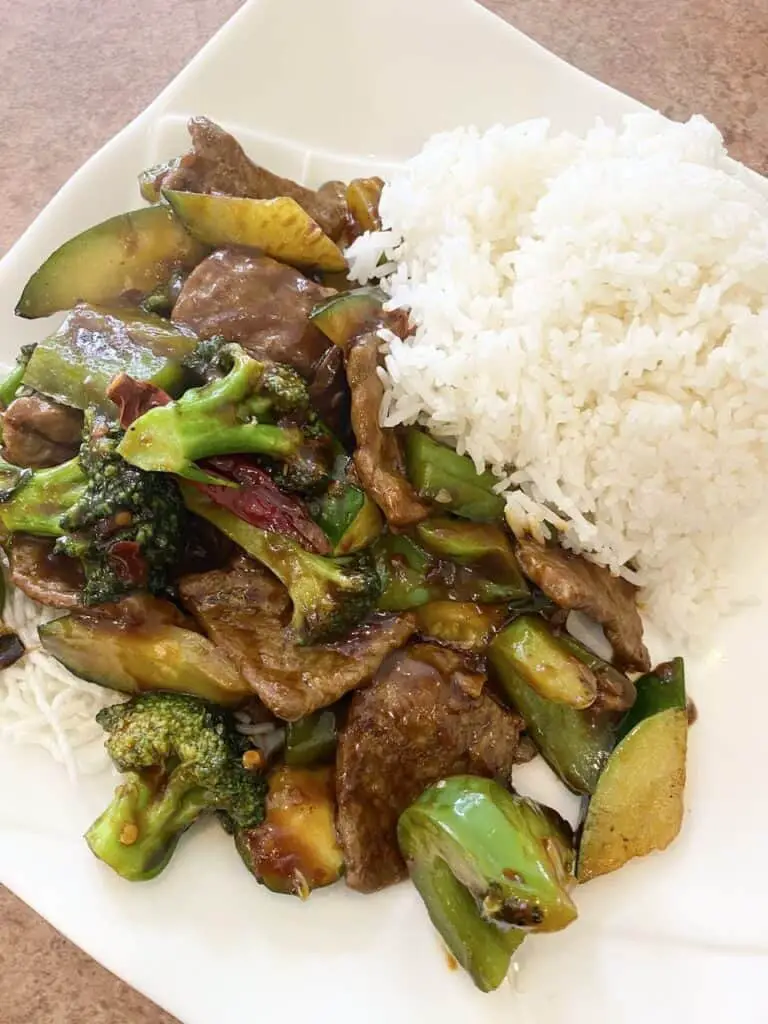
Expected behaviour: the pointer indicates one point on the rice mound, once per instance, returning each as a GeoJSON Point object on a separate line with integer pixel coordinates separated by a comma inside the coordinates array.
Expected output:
{"type": "Point", "coordinates": [591, 320]}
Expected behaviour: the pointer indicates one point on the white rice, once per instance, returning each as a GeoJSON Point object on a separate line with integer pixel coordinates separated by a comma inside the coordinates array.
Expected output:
{"type": "Point", "coordinates": [591, 320]}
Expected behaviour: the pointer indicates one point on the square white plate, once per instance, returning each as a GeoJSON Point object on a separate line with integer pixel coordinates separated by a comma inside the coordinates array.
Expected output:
{"type": "Point", "coordinates": [316, 90]}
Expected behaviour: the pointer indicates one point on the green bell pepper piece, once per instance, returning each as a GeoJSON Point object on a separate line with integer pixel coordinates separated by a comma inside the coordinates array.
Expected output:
{"type": "Point", "coordinates": [489, 866]}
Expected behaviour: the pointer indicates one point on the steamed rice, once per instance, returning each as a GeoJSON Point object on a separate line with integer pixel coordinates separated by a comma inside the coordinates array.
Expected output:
{"type": "Point", "coordinates": [591, 318]}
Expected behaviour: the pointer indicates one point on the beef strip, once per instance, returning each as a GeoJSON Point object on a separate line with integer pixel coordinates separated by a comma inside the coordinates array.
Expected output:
{"type": "Point", "coordinates": [57, 581]}
{"type": "Point", "coordinates": [415, 724]}
{"type": "Point", "coordinates": [38, 432]}
{"type": "Point", "coordinates": [576, 584]}
{"type": "Point", "coordinates": [51, 579]}
{"type": "Point", "coordinates": [378, 458]}
{"type": "Point", "coordinates": [246, 610]}
{"type": "Point", "coordinates": [218, 164]}
{"type": "Point", "coordinates": [259, 303]}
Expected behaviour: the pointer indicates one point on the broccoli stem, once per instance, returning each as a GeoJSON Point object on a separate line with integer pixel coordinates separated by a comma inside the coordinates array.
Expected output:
{"type": "Point", "coordinates": [41, 498]}
{"type": "Point", "coordinates": [279, 553]}
{"type": "Point", "coordinates": [329, 595]}
{"type": "Point", "coordinates": [13, 380]}
{"type": "Point", "coordinates": [180, 757]}
{"type": "Point", "coordinates": [137, 834]}
{"type": "Point", "coordinates": [169, 439]}
{"type": "Point", "coordinates": [218, 419]}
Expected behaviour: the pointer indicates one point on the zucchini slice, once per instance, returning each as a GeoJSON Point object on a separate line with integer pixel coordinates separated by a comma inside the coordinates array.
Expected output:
{"type": "Point", "coordinates": [295, 849]}
{"type": "Point", "coordinates": [121, 259]}
{"type": "Point", "coordinates": [278, 227]}
{"type": "Point", "coordinates": [344, 317]}
{"type": "Point", "coordinates": [146, 657]}
{"type": "Point", "coordinates": [637, 806]}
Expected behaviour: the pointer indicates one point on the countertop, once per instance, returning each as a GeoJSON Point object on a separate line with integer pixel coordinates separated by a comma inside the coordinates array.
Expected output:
{"type": "Point", "coordinates": [75, 71]}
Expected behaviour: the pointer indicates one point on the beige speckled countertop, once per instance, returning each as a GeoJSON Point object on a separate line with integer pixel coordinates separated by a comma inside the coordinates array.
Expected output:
{"type": "Point", "coordinates": [70, 81]}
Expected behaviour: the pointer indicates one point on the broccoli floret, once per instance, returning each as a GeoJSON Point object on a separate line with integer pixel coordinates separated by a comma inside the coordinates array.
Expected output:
{"type": "Point", "coordinates": [180, 757]}
{"type": "Point", "coordinates": [205, 362]}
{"type": "Point", "coordinates": [286, 389]}
{"type": "Point", "coordinates": [329, 595]}
{"type": "Point", "coordinates": [309, 470]}
{"type": "Point", "coordinates": [251, 409]}
{"type": "Point", "coordinates": [125, 526]}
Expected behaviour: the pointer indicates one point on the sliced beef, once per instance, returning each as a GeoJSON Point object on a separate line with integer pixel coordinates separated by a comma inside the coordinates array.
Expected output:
{"type": "Point", "coordinates": [217, 163]}
{"type": "Point", "coordinates": [415, 724]}
{"type": "Point", "coordinates": [259, 303]}
{"type": "Point", "coordinates": [576, 584]}
{"type": "Point", "coordinates": [51, 579]}
{"type": "Point", "coordinates": [38, 432]}
{"type": "Point", "coordinates": [378, 458]}
{"type": "Point", "coordinates": [57, 581]}
{"type": "Point", "coordinates": [246, 610]}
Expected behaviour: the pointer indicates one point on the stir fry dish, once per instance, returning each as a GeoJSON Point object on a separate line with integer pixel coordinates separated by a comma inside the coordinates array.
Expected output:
{"type": "Point", "coordinates": [322, 629]}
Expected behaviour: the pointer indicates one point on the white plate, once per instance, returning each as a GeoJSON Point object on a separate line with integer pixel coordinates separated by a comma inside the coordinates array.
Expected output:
{"type": "Point", "coordinates": [316, 90]}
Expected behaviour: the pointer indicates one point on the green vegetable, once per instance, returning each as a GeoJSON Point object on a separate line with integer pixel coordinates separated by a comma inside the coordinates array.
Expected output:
{"type": "Point", "coordinates": [483, 571]}
{"type": "Point", "coordinates": [180, 758]}
{"type": "Point", "coordinates": [311, 740]}
{"type": "Point", "coordinates": [487, 864]}
{"type": "Point", "coordinates": [330, 595]}
{"type": "Point", "coordinates": [344, 317]}
{"type": "Point", "coordinates": [76, 364]}
{"type": "Point", "coordinates": [150, 178]}
{"type": "Point", "coordinates": [12, 382]}
{"type": "Point", "coordinates": [123, 525]}
{"type": "Point", "coordinates": [36, 501]}
{"type": "Point", "coordinates": [121, 259]}
{"type": "Point", "coordinates": [657, 691]}
{"type": "Point", "coordinates": [345, 513]}
{"type": "Point", "coordinates": [363, 195]}
{"type": "Point", "coordinates": [149, 656]}
{"type": "Point", "coordinates": [439, 473]}
{"type": "Point", "coordinates": [295, 849]}
{"type": "Point", "coordinates": [279, 227]}
{"type": "Point", "coordinates": [546, 663]}
{"type": "Point", "coordinates": [462, 624]}
{"type": "Point", "coordinates": [235, 413]}
{"type": "Point", "coordinates": [637, 806]}
{"type": "Point", "coordinates": [615, 691]}
{"type": "Point", "coordinates": [144, 514]}
{"type": "Point", "coordinates": [161, 301]}
{"type": "Point", "coordinates": [363, 529]}
{"type": "Point", "coordinates": [575, 743]}
{"type": "Point", "coordinates": [403, 567]}
{"type": "Point", "coordinates": [485, 548]}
